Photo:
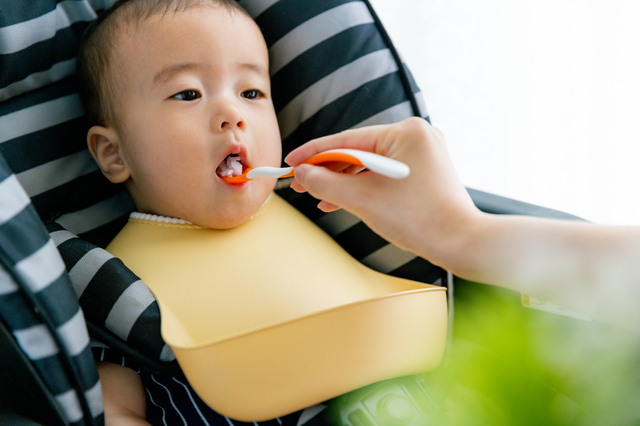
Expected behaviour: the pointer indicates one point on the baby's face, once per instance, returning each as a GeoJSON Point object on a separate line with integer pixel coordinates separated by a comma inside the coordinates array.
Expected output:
{"type": "Point", "coordinates": [195, 89]}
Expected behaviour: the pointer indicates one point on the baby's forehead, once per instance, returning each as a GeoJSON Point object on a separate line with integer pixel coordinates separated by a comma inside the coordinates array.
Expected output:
{"type": "Point", "coordinates": [140, 30]}
{"type": "Point", "coordinates": [148, 37]}
{"type": "Point", "coordinates": [132, 31]}
{"type": "Point", "coordinates": [140, 20]}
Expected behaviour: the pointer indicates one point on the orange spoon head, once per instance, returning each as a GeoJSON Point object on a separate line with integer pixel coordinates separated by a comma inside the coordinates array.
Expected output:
{"type": "Point", "coordinates": [237, 179]}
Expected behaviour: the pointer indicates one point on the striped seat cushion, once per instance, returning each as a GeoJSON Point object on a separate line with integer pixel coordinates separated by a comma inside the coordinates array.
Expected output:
{"type": "Point", "coordinates": [332, 67]}
{"type": "Point", "coordinates": [38, 306]}
{"type": "Point", "coordinates": [42, 131]}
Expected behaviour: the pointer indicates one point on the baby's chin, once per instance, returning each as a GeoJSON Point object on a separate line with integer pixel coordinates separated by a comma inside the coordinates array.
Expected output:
{"type": "Point", "coordinates": [227, 219]}
{"type": "Point", "coordinates": [224, 213]}
{"type": "Point", "coordinates": [225, 222]}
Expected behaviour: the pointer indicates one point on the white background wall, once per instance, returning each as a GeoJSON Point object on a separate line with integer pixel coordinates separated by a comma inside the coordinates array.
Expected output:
{"type": "Point", "coordinates": [539, 99]}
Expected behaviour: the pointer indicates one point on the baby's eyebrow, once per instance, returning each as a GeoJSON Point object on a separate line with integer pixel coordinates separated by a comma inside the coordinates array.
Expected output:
{"type": "Point", "coordinates": [258, 69]}
{"type": "Point", "coordinates": [170, 71]}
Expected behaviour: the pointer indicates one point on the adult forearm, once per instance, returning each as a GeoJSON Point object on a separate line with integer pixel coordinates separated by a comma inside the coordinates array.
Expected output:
{"type": "Point", "coordinates": [590, 268]}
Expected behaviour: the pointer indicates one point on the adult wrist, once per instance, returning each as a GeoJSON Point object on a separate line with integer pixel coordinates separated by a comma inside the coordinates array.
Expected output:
{"type": "Point", "coordinates": [465, 246]}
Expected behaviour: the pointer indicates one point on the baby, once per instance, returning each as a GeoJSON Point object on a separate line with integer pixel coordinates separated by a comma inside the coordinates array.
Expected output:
{"type": "Point", "coordinates": [179, 96]}
{"type": "Point", "coordinates": [172, 96]}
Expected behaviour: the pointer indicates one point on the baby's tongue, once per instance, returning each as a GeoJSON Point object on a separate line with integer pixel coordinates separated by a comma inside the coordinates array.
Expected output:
{"type": "Point", "coordinates": [230, 167]}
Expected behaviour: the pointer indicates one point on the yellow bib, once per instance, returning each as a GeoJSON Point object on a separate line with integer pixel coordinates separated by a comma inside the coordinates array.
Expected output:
{"type": "Point", "coordinates": [273, 316]}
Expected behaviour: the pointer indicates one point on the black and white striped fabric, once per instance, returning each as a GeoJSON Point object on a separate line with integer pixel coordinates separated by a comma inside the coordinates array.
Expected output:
{"type": "Point", "coordinates": [119, 307]}
{"type": "Point", "coordinates": [332, 67]}
{"type": "Point", "coordinates": [361, 80]}
{"type": "Point", "coordinates": [42, 131]}
{"type": "Point", "coordinates": [38, 306]}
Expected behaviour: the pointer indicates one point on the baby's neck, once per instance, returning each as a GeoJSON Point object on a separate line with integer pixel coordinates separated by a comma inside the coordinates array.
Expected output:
{"type": "Point", "coordinates": [175, 220]}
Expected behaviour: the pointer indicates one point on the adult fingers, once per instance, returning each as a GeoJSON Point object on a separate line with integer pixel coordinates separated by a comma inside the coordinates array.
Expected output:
{"type": "Point", "coordinates": [327, 207]}
{"type": "Point", "coordinates": [336, 168]}
{"type": "Point", "coordinates": [364, 139]}
{"type": "Point", "coordinates": [336, 190]}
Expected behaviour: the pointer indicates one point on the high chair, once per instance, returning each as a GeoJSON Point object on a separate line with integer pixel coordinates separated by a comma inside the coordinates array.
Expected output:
{"type": "Point", "coordinates": [333, 67]}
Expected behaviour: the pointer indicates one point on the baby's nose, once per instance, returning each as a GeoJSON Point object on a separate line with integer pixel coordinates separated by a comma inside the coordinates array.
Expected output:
{"type": "Point", "coordinates": [229, 117]}
{"type": "Point", "coordinates": [241, 124]}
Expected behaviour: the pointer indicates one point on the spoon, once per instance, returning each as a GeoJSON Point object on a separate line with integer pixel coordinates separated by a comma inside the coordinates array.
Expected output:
{"type": "Point", "coordinates": [374, 162]}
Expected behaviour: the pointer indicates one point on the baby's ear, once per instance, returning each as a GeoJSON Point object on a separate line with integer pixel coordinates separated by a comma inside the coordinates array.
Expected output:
{"type": "Point", "coordinates": [104, 145]}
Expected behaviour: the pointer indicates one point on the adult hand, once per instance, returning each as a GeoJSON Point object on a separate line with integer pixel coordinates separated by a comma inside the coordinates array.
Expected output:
{"type": "Point", "coordinates": [431, 214]}
{"type": "Point", "coordinates": [421, 213]}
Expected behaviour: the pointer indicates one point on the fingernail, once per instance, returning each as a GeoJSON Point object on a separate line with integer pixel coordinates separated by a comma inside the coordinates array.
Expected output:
{"type": "Point", "coordinates": [295, 185]}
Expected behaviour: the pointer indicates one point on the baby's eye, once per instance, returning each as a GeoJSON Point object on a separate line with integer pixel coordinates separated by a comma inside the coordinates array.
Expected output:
{"type": "Point", "coordinates": [187, 95]}
{"type": "Point", "coordinates": [252, 94]}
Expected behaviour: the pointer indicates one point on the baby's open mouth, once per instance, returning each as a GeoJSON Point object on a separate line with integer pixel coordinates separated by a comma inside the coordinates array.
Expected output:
{"type": "Point", "coordinates": [230, 166]}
